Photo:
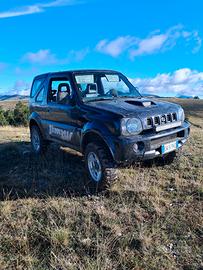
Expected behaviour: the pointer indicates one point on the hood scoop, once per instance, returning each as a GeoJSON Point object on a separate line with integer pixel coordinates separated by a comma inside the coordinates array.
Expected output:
{"type": "Point", "coordinates": [141, 103]}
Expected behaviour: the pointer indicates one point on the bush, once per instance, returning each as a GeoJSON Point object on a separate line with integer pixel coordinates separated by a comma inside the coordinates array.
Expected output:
{"type": "Point", "coordinates": [16, 117]}
{"type": "Point", "coordinates": [9, 117]}
{"type": "Point", "coordinates": [20, 114]}
{"type": "Point", "coordinates": [3, 120]}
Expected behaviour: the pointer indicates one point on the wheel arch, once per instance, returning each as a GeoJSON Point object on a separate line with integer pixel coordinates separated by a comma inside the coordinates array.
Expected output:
{"type": "Point", "coordinates": [34, 121]}
{"type": "Point", "coordinates": [94, 136]}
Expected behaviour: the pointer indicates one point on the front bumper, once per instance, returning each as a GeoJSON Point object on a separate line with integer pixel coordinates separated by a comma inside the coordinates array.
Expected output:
{"type": "Point", "coordinates": [148, 146]}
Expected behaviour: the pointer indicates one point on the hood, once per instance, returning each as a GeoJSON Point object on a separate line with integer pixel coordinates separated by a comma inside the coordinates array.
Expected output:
{"type": "Point", "coordinates": [133, 107]}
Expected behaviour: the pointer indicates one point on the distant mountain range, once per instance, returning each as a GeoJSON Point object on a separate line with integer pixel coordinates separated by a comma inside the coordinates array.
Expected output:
{"type": "Point", "coordinates": [149, 95]}
{"type": "Point", "coordinates": [21, 97]}
{"type": "Point", "coordinates": [184, 96]}
{"type": "Point", "coordinates": [12, 97]}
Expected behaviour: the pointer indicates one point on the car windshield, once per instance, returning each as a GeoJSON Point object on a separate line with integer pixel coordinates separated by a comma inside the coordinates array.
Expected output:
{"type": "Point", "coordinates": [102, 86]}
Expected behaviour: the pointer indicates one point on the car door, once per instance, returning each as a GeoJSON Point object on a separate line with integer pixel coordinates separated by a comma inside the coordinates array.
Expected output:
{"type": "Point", "coordinates": [62, 125]}
{"type": "Point", "coordinates": [36, 101]}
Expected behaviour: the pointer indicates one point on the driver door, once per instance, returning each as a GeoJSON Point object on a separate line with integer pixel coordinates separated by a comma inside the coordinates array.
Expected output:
{"type": "Point", "coordinates": [61, 125]}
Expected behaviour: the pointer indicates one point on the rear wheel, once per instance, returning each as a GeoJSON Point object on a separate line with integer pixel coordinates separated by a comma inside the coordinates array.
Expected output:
{"type": "Point", "coordinates": [101, 168]}
{"type": "Point", "coordinates": [39, 145]}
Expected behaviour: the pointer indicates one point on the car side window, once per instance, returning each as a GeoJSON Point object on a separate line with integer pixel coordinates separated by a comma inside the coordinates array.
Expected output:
{"type": "Point", "coordinates": [36, 85]}
{"type": "Point", "coordinates": [60, 91]}
{"type": "Point", "coordinates": [40, 95]}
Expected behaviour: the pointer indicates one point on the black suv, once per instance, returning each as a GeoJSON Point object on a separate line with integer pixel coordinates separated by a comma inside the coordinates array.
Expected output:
{"type": "Point", "coordinates": [102, 115]}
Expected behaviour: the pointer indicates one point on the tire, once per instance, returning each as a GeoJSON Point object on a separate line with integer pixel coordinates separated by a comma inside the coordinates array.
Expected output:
{"type": "Point", "coordinates": [39, 145]}
{"type": "Point", "coordinates": [100, 167]}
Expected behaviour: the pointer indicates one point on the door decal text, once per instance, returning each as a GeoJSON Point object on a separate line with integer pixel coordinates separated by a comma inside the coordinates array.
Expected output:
{"type": "Point", "coordinates": [61, 133]}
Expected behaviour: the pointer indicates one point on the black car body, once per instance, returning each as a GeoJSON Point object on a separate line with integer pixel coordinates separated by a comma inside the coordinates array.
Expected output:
{"type": "Point", "coordinates": [75, 108]}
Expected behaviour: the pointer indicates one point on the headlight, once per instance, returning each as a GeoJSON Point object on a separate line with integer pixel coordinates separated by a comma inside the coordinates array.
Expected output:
{"type": "Point", "coordinates": [131, 126]}
{"type": "Point", "coordinates": [181, 115]}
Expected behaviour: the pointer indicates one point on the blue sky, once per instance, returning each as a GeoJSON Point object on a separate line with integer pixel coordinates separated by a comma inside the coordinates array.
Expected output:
{"type": "Point", "coordinates": [157, 44]}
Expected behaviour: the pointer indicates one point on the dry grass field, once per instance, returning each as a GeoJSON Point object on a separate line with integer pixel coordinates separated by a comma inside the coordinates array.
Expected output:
{"type": "Point", "coordinates": [10, 104]}
{"type": "Point", "coordinates": [151, 218]}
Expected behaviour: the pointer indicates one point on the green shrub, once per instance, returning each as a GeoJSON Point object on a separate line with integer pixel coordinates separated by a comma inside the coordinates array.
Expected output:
{"type": "Point", "coordinates": [9, 116]}
{"type": "Point", "coordinates": [20, 114]}
{"type": "Point", "coordinates": [3, 120]}
{"type": "Point", "coordinates": [16, 117]}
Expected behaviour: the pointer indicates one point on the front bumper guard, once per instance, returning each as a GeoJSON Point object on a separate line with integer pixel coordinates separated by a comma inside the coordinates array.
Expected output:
{"type": "Point", "coordinates": [155, 153]}
{"type": "Point", "coordinates": [124, 152]}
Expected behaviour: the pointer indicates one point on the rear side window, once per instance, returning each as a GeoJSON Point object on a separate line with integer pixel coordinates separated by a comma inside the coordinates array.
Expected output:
{"type": "Point", "coordinates": [35, 87]}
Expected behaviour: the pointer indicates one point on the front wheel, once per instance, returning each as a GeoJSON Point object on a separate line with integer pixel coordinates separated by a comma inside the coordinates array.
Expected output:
{"type": "Point", "coordinates": [101, 168]}
{"type": "Point", "coordinates": [39, 145]}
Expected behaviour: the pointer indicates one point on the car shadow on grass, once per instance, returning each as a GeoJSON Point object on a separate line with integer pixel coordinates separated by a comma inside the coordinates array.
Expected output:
{"type": "Point", "coordinates": [59, 172]}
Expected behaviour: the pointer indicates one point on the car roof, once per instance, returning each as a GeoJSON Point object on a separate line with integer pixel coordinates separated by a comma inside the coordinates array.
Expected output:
{"type": "Point", "coordinates": [82, 71]}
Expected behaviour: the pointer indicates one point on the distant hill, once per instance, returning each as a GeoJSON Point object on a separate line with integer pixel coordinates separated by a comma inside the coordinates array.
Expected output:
{"type": "Point", "coordinates": [20, 97]}
{"type": "Point", "coordinates": [149, 95]}
{"type": "Point", "coordinates": [12, 97]}
{"type": "Point", "coordinates": [184, 96]}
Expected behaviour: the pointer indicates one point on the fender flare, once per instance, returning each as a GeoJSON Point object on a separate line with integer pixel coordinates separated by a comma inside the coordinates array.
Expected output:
{"type": "Point", "coordinates": [100, 130]}
{"type": "Point", "coordinates": [34, 118]}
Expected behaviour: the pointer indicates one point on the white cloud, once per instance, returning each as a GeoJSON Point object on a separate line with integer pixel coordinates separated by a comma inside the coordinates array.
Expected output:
{"type": "Point", "coordinates": [182, 76]}
{"type": "Point", "coordinates": [149, 45]}
{"type": "Point", "coordinates": [183, 81]}
{"type": "Point", "coordinates": [198, 42]}
{"type": "Point", "coordinates": [58, 3]}
{"type": "Point", "coordinates": [42, 57]}
{"type": "Point", "coordinates": [24, 11]}
{"type": "Point", "coordinates": [37, 8]}
{"type": "Point", "coordinates": [46, 57]}
{"type": "Point", "coordinates": [21, 88]}
{"type": "Point", "coordinates": [115, 47]}
{"type": "Point", "coordinates": [155, 42]}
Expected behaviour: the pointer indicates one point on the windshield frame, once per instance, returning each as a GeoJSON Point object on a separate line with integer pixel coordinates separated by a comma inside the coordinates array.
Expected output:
{"type": "Point", "coordinates": [104, 72]}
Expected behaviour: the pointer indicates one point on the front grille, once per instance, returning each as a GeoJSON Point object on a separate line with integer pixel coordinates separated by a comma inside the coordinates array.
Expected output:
{"type": "Point", "coordinates": [149, 121]}
{"type": "Point", "coordinates": [156, 120]}
{"type": "Point", "coordinates": [156, 143]}
{"type": "Point", "coordinates": [165, 139]}
{"type": "Point", "coordinates": [162, 119]}
{"type": "Point", "coordinates": [169, 116]}
{"type": "Point", "coordinates": [174, 116]}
